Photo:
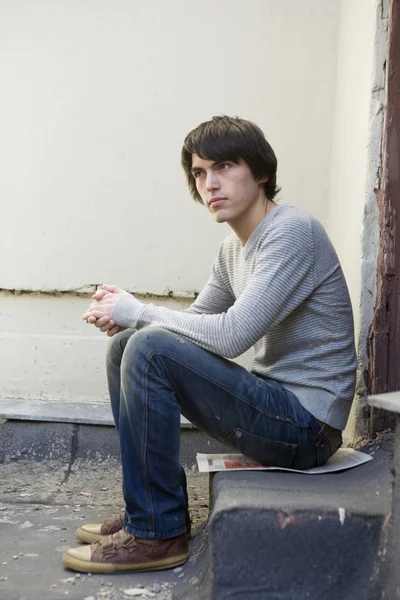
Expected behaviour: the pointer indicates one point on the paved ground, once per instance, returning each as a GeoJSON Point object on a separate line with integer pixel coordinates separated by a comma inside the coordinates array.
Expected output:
{"type": "Point", "coordinates": [42, 504]}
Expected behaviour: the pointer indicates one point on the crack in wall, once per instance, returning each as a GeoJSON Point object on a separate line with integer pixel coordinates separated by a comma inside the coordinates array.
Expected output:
{"type": "Point", "coordinates": [87, 290]}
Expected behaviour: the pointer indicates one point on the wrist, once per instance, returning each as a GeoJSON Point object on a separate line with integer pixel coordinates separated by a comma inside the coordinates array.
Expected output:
{"type": "Point", "coordinates": [126, 311]}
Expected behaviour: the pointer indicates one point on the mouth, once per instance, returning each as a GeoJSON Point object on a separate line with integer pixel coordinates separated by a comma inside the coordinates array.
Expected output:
{"type": "Point", "coordinates": [216, 201]}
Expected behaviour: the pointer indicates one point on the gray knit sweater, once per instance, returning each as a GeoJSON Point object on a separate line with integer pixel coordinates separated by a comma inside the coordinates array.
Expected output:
{"type": "Point", "coordinates": [283, 293]}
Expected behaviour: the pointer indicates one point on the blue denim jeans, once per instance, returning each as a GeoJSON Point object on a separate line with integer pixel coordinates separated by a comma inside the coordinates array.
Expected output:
{"type": "Point", "coordinates": [154, 376]}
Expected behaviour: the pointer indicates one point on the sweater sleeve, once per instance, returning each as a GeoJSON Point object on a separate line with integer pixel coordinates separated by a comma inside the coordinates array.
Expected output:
{"type": "Point", "coordinates": [214, 298]}
{"type": "Point", "coordinates": [281, 280]}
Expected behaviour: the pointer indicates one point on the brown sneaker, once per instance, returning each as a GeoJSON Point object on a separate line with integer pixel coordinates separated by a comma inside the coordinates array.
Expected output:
{"type": "Point", "coordinates": [94, 532]}
{"type": "Point", "coordinates": [124, 552]}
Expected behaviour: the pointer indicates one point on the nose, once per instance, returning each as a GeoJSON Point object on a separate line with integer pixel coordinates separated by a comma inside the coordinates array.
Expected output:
{"type": "Point", "coordinates": [212, 181]}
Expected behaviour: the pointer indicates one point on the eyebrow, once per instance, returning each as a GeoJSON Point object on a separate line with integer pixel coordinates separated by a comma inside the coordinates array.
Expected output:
{"type": "Point", "coordinates": [214, 164]}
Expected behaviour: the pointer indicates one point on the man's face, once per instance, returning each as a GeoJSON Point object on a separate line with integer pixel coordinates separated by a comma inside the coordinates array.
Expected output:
{"type": "Point", "coordinates": [227, 189]}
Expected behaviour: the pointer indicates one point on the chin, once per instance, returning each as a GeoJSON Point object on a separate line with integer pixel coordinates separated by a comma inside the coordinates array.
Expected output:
{"type": "Point", "coordinates": [220, 217]}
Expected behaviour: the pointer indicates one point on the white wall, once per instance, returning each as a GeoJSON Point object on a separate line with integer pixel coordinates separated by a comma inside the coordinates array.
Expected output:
{"type": "Point", "coordinates": [96, 99]}
{"type": "Point", "coordinates": [48, 353]}
{"type": "Point", "coordinates": [354, 171]}
{"type": "Point", "coordinates": [359, 71]}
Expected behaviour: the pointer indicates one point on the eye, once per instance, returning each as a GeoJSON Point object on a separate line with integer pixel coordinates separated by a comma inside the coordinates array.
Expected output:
{"type": "Point", "coordinates": [223, 166]}
{"type": "Point", "coordinates": [196, 174]}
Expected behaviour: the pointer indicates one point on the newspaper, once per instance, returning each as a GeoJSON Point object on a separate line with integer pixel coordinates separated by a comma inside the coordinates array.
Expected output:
{"type": "Point", "coordinates": [344, 458]}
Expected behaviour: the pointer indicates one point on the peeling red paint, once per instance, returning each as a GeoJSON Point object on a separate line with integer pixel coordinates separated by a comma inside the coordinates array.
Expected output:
{"type": "Point", "coordinates": [386, 521]}
{"type": "Point", "coordinates": [285, 518]}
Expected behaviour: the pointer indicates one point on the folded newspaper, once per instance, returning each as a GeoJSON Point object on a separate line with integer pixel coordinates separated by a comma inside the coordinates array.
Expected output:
{"type": "Point", "coordinates": [344, 458]}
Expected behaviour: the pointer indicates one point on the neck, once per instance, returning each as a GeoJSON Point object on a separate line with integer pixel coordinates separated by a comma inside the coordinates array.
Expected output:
{"type": "Point", "coordinates": [244, 226]}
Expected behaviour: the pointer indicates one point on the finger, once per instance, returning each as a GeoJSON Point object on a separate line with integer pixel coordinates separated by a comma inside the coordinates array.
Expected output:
{"type": "Point", "coordinates": [97, 314]}
{"type": "Point", "coordinates": [113, 331]}
{"type": "Point", "coordinates": [114, 289]}
{"type": "Point", "coordinates": [109, 288]}
{"type": "Point", "coordinates": [107, 326]}
{"type": "Point", "coordinates": [97, 308]}
{"type": "Point", "coordinates": [102, 321]}
{"type": "Point", "coordinates": [91, 320]}
{"type": "Point", "coordinates": [88, 314]}
{"type": "Point", "coordinates": [94, 305]}
{"type": "Point", "coordinates": [99, 294]}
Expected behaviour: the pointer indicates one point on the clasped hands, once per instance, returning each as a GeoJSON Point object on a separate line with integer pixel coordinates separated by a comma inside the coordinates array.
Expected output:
{"type": "Point", "coordinates": [99, 312]}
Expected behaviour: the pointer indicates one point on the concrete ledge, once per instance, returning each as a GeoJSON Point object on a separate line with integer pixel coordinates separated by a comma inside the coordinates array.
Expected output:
{"type": "Point", "coordinates": [389, 401]}
{"type": "Point", "coordinates": [35, 441]}
{"type": "Point", "coordinates": [313, 556]}
{"type": "Point", "coordinates": [36, 430]}
{"type": "Point", "coordinates": [365, 489]}
{"type": "Point", "coordinates": [91, 413]}
{"type": "Point", "coordinates": [39, 441]}
{"type": "Point", "coordinates": [287, 535]}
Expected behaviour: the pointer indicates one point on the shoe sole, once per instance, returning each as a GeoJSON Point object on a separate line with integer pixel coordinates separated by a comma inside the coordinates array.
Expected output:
{"type": "Point", "coordinates": [83, 566]}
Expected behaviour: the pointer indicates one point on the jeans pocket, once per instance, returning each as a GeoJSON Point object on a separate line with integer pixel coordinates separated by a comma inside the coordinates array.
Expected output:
{"type": "Point", "coordinates": [267, 452]}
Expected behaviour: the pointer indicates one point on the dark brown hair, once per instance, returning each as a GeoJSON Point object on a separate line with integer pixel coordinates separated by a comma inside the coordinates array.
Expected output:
{"type": "Point", "coordinates": [231, 138]}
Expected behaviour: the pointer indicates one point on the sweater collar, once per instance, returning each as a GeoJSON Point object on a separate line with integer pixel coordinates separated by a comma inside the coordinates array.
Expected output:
{"type": "Point", "coordinates": [259, 230]}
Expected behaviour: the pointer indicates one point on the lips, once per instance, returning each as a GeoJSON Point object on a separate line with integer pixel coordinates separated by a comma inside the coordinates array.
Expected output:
{"type": "Point", "coordinates": [216, 201]}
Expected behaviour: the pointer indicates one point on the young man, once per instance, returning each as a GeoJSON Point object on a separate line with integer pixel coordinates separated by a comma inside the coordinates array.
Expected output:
{"type": "Point", "coordinates": [277, 285]}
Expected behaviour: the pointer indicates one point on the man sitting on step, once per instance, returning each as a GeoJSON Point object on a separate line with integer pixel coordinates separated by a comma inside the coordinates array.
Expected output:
{"type": "Point", "coordinates": [275, 285]}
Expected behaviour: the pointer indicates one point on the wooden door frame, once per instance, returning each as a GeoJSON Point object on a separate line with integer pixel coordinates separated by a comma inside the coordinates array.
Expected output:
{"type": "Point", "coordinates": [384, 338]}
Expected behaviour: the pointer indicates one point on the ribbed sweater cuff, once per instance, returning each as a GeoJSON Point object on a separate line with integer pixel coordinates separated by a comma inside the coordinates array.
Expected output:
{"type": "Point", "coordinates": [126, 312]}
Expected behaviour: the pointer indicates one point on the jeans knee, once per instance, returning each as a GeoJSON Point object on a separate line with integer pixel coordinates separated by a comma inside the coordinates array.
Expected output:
{"type": "Point", "coordinates": [149, 341]}
{"type": "Point", "coordinates": [117, 344]}
{"type": "Point", "coordinates": [151, 338]}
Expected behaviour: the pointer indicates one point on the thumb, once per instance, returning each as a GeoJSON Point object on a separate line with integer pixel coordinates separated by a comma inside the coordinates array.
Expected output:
{"type": "Point", "coordinates": [99, 294]}
{"type": "Point", "coordinates": [114, 289]}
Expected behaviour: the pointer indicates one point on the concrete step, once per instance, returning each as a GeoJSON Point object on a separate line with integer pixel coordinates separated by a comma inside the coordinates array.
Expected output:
{"type": "Point", "coordinates": [288, 536]}
{"type": "Point", "coordinates": [89, 413]}
{"type": "Point", "coordinates": [35, 430]}
{"type": "Point", "coordinates": [271, 535]}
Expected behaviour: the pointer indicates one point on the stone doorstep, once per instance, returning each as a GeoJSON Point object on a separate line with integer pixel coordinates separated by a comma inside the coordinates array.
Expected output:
{"type": "Point", "coordinates": [271, 534]}
{"type": "Point", "coordinates": [89, 413]}
{"type": "Point", "coordinates": [288, 535]}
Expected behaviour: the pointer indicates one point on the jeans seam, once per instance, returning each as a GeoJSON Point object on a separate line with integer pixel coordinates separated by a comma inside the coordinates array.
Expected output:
{"type": "Point", "coordinates": [255, 435]}
{"type": "Point", "coordinates": [144, 455]}
{"type": "Point", "coordinates": [245, 400]}
{"type": "Point", "coordinates": [174, 358]}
